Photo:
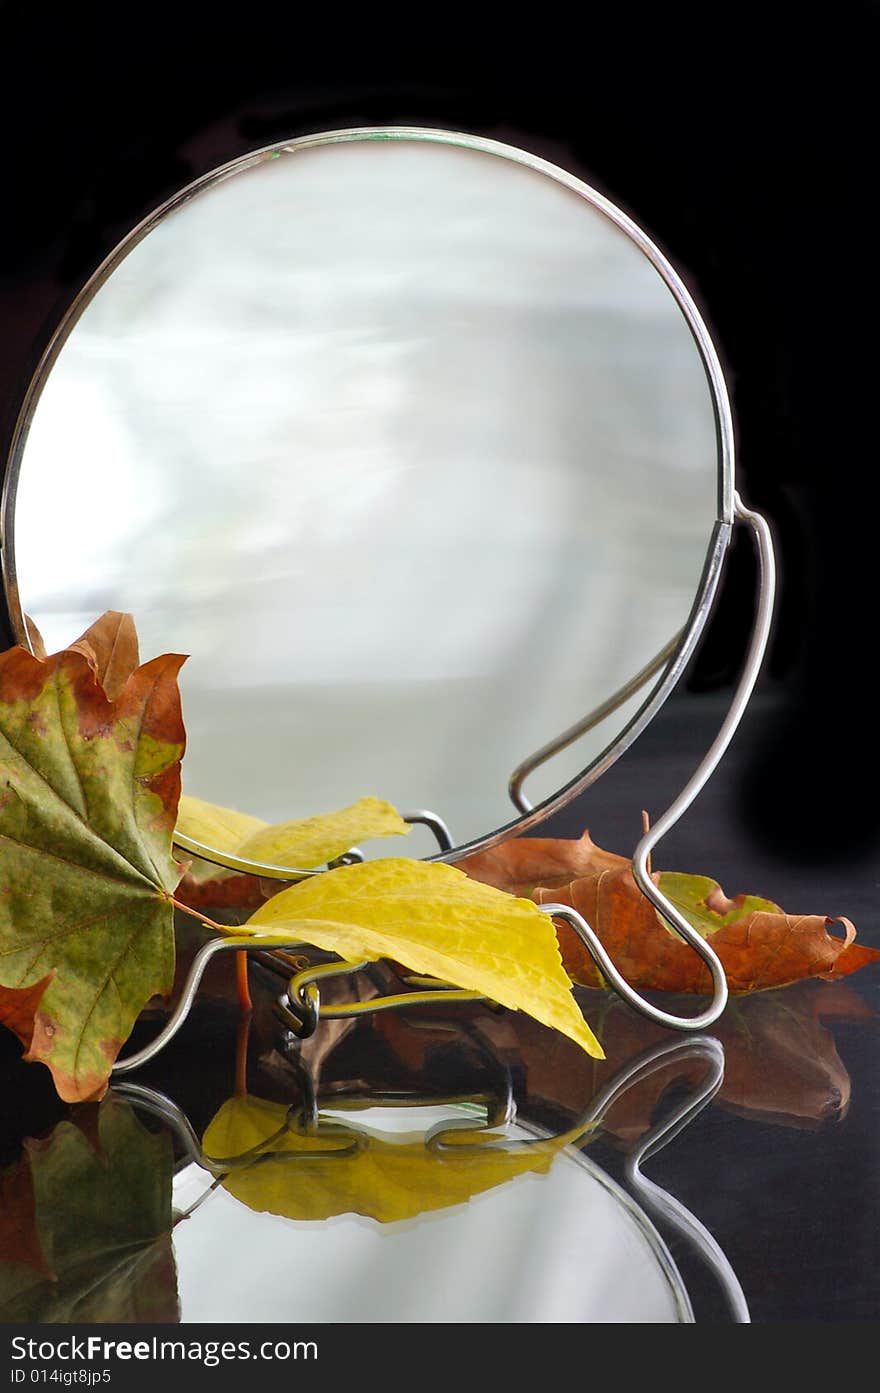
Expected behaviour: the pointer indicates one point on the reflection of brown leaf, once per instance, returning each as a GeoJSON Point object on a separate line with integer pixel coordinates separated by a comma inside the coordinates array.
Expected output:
{"type": "Point", "coordinates": [19, 1241]}
{"type": "Point", "coordinates": [781, 1063]}
{"type": "Point", "coordinates": [411, 1042]}
{"type": "Point", "coordinates": [554, 1074]}
{"type": "Point", "coordinates": [759, 945]}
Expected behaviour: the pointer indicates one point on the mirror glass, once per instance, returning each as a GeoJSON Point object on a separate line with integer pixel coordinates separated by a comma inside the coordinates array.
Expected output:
{"type": "Point", "coordinates": [406, 443]}
{"type": "Point", "coordinates": [554, 1244]}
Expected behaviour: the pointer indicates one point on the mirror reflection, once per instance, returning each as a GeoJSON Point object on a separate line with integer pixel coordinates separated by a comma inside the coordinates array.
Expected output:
{"type": "Point", "coordinates": [127, 1210]}
{"type": "Point", "coordinates": [406, 443]}
{"type": "Point", "coordinates": [525, 1219]}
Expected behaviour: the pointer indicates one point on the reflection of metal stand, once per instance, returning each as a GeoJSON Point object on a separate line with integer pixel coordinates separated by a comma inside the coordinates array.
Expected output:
{"type": "Point", "coordinates": [660, 1201]}
{"type": "Point", "coordinates": [301, 1006]}
{"type": "Point", "coordinates": [346, 1140]}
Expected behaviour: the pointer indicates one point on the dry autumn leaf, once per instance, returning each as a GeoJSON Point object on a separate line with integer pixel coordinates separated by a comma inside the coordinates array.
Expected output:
{"type": "Point", "coordinates": [206, 887]}
{"type": "Point", "coordinates": [111, 645]}
{"type": "Point", "coordinates": [521, 864]}
{"type": "Point", "coordinates": [435, 921]}
{"type": "Point", "coordinates": [759, 945]}
{"type": "Point", "coordinates": [88, 801]}
{"type": "Point", "coordinates": [387, 1179]}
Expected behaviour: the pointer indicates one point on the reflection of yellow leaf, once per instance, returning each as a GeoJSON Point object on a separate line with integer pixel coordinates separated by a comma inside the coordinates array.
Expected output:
{"type": "Point", "coordinates": [305, 842]}
{"type": "Point", "coordinates": [435, 920]}
{"type": "Point", "coordinates": [386, 1180]}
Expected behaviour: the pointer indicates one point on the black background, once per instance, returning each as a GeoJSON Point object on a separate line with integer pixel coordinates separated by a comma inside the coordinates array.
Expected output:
{"type": "Point", "coordinates": [742, 138]}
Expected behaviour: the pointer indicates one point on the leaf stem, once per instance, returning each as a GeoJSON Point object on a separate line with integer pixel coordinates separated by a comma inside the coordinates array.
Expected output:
{"type": "Point", "coordinates": [241, 978]}
{"type": "Point", "coordinates": [202, 918]}
{"type": "Point", "coordinates": [241, 1052]}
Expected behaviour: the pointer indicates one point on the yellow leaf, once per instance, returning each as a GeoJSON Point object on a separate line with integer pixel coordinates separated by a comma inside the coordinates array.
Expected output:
{"type": "Point", "coordinates": [303, 843]}
{"type": "Point", "coordinates": [311, 841]}
{"type": "Point", "coordinates": [435, 920]}
{"type": "Point", "coordinates": [386, 1179]}
{"type": "Point", "coordinates": [221, 828]}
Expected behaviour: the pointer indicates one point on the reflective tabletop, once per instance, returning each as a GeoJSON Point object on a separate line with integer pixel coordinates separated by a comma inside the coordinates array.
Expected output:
{"type": "Point", "coordinates": [461, 1164]}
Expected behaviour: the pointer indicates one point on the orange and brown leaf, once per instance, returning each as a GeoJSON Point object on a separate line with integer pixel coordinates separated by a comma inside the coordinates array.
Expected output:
{"type": "Point", "coordinates": [759, 951]}
{"type": "Point", "coordinates": [19, 1008]}
{"type": "Point", "coordinates": [89, 786]}
{"type": "Point", "coordinates": [111, 645]}
{"type": "Point", "coordinates": [230, 891]}
{"type": "Point", "coordinates": [759, 945]}
{"type": "Point", "coordinates": [523, 863]}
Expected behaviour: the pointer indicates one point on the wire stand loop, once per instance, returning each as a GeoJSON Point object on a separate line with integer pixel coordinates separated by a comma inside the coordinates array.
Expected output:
{"type": "Point", "coordinates": [667, 911]}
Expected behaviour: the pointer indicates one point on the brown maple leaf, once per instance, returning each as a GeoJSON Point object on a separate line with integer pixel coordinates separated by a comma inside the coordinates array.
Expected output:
{"type": "Point", "coordinates": [231, 891]}
{"type": "Point", "coordinates": [759, 945]}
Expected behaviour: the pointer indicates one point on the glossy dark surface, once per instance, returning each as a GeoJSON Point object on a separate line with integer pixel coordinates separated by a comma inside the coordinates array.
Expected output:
{"type": "Point", "coordinates": [778, 1167]}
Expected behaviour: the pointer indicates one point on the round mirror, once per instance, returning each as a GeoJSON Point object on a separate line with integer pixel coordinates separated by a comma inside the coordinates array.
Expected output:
{"type": "Point", "coordinates": [559, 1243]}
{"type": "Point", "coordinates": [415, 443]}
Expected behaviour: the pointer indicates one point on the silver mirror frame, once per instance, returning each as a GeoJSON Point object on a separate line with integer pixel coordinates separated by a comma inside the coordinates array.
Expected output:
{"type": "Point", "coordinates": [717, 545]}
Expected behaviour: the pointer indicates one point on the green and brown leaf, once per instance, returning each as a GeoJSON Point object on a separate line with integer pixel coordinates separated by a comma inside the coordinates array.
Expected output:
{"type": "Point", "coordinates": [88, 803]}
